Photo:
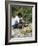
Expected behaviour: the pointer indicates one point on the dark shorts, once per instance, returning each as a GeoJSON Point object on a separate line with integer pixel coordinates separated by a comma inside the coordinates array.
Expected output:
{"type": "Point", "coordinates": [15, 26]}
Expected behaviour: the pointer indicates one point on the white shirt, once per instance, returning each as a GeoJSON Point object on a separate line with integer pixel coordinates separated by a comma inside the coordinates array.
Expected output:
{"type": "Point", "coordinates": [13, 20]}
{"type": "Point", "coordinates": [17, 19]}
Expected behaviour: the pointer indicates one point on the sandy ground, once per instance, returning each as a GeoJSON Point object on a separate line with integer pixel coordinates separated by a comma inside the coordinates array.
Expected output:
{"type": "Point", "coordinates": [25, 32]}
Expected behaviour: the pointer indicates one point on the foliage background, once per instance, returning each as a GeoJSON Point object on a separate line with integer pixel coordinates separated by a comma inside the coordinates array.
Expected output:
{"type": "Point", "coordinates": [25, 11]}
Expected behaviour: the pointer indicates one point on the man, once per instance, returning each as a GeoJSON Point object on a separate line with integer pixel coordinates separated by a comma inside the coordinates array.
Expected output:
{"type": "Point", "coordinates": [20, 20]}
{"type": "Point", "coordinates": [15, 21]}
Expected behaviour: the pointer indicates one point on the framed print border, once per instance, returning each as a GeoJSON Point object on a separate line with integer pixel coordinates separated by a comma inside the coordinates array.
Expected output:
{"type": "Point", "coordinates": [6, 31]}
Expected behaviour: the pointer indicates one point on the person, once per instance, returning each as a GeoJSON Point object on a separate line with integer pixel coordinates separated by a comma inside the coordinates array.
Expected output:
{"type": "Point", "coordinates": [15, 21]}
{"type": "Point", "coordinates": [17, 18]}
{"type": "Point", "coordinates": [20, 20]}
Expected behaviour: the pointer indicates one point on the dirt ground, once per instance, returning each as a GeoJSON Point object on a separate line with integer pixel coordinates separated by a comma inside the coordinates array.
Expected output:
{"type": "Point", "coordinates": [24, 32]}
